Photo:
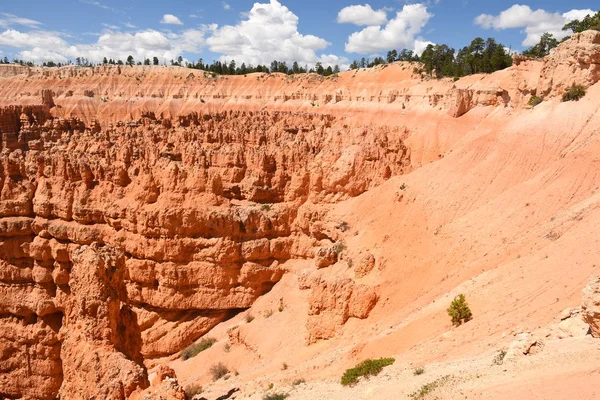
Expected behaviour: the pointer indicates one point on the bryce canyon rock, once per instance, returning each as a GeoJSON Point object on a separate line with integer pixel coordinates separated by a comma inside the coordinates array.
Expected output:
{"type": "Point", "coordinates": [141, 207]}
{"type": "Point", "coordinates": [591, 305]}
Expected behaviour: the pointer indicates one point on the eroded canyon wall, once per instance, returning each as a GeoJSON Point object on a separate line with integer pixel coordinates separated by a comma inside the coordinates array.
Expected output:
{"type": "Point", "coordinates": [140, 207]}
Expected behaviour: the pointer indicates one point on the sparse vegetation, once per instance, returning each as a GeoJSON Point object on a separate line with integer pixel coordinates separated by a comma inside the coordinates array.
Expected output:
{"type": "Point", "coordinates": [249, 318]}
{"type": "Point", "coordinates": [276, 396]}
{"type": "Point", "coordinates": [227, 348]}
{"type": "Point", "coordinates": [366, 368]}
{"type": "Point", "coordinates": [459, 310]}
{"type": "Point", "coordinates": [196, 348]}
{"type": "Point", "coordinates": [339, 247]}
{"type": "Point", "coordinates": [534, 101]}
{"type": "Point", "coordinates": [403, 187]}
{"type": "Point", "coordinates": [298, 381]}
{"type": "Point", "coordinates": [343, 226]}
{"type": "Point", "coordinates": [419, 371]}
{"type": "Point", "coordinates": [193, 390]}
{"type": "Point", "coordinates": [574, 93]}
{"type": "Point", "coordinates": [268, 313]}
{"type": "Point", "coordinates": [499, 358]}
{"type": "Point", "coordinates": [428, 388]}
{"type": "Point", "coordinates": [265, 207]}
{"type": "Point", "coordinates": [218, 371]}
{"type": "Point", "coordinates": [284, 366]}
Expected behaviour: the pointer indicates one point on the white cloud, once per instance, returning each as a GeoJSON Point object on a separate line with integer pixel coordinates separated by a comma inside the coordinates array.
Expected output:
{"type": "Point", "coordinates": [7, 20]}
{"type": "Point", "coordinates": [226, 6]}
{"type": "Point", "coordinates": [361, 15]}
{"type": "Point", "coordinates": [42, 39]}
{"type": "Point", "coordinates": [100, 5]}
{"type": "Point", "coordinates": [400, 32]}
{"type": "Point", "coordinates": [534, 22]}
{"type": "Point", "coordinates": [41, 46]}
{"type": "Point", "coordinates": [268, 32]}
{"type": "Point", "coordinates": [170, 19]}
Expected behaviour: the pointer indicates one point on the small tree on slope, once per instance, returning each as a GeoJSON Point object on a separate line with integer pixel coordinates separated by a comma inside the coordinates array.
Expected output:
{"type": "Point", "coordinates": [459, 310]}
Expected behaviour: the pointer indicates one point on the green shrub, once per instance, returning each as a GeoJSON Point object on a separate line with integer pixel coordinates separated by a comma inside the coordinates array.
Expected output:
{"type": "Point", "coordinates": [249, 318]}
{"type": "Point", "coordinates": [419, 371]}
{"type": "Point", "coordinates": [428, 388]}
{"type": "Point", "coordinates": [574, 93]}
{"type": "Point", "coordinates": [265, 207]}
{"type": "Point", "coordinates": [534, 101]}
{"type": "Point", "coordinates": [459, 310]}
{"type": "Point", "coordinates": [298, 382]}
{"type": "Point", "coordinates": [196, 348]}
{"type": "Point", "coordinates": [366, 368]}
{"type": "Point", "coordinates": [276, 396]}
{"type": "Point", "coordinates": [192, 390]}
{"type": "Point", "coordinates": [218, 371]}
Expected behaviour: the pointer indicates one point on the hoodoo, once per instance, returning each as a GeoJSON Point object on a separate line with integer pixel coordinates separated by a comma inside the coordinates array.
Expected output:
{"type": "Point", "coordinates": [289, 227]}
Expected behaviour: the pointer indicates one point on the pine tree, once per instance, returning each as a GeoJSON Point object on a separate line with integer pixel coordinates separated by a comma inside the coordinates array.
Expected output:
{"type": "Point", "coordinates": [459, 310]}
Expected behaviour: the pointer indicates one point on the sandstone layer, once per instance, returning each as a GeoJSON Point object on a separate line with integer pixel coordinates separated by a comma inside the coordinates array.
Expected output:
{"type": "Point", "coordinates": [141, 207]}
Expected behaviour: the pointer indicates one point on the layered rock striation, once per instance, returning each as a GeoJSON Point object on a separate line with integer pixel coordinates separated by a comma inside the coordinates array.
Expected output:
{"type": "Point", "coordinates": [127, 243]}
{"type": "Point", "coordinates": [140, 207]}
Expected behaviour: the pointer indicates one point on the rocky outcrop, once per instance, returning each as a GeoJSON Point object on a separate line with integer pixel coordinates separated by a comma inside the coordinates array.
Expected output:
{"type": "Point", "coordinates": [590, 305]}
{"type": "Point", "coordinates": [127, 243]}
{"type": "Point", "coordinates": [101, 341]}
{"type": "Point", "coordinates": [574, 62]}
{"type": "Point", "coordinates": [333, 302]}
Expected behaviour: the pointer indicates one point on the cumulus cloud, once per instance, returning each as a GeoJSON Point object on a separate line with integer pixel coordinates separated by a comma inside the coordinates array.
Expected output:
{"type": "Point", "coordinates": [400, 32]}
{"type": "Point", "coordinates": [533, 22]}
{"type": "Point", "coordinates": [269, 31]}
{"type": "Point", "coordinates": [361, 15]}
{"type": "Point", "coordinates": [39, 46]}
{"type": "Point", "coordinates": [170, 19]}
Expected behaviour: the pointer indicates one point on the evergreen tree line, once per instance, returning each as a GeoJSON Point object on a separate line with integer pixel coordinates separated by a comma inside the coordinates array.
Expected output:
{"type": "Point", "coordinates": [548, 41]}
{"type": "Point", "coordinates": [480, 56]}
{"type": "Point", "coordinates": [442, 60]}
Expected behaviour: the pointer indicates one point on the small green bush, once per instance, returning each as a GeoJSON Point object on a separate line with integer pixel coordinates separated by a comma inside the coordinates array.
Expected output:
{"type": "Point", "coordinates": [193, 390]}
{"type": "Point", "coordinates": [298, 382]}
{"type": "Point", "coordinates": [276, 396]}
{"type": "Point", "coordinates": [428, 388]}
{"type": "Point", "coordinates": [265, 207]}
{"type": "Point", "coordinates": [249, 318]}
{"type": "Point", "coordinates": [534, 101]}
{"type": "Point", "coordinates": [419, 371]}
{"type": "Point", "coordinates": [366, 368]}
{"type": "Point", "coordinates": [196, 348]}
{"type": "Point", "coordinates": [459, 310]}
{"type": "Point", "coordinates": [218, 371]}
{"type": "Point", "coordinates": [574, 93]}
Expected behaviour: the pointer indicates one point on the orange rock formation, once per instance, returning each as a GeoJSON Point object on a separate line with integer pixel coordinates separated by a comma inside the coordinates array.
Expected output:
{"type": "Point", "coordinates": [141, 207]}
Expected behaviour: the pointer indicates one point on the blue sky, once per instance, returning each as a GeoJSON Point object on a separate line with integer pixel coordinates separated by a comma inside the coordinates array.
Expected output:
{"type": "Point", "coordinates": [333, 32]}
